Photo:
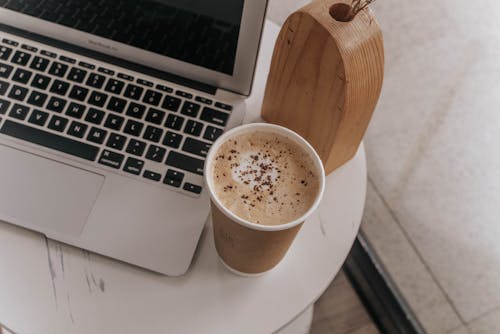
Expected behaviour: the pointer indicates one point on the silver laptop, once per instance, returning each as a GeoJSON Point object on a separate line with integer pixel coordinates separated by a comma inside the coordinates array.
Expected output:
{"type": "Point", "coordinates": [107, 111]}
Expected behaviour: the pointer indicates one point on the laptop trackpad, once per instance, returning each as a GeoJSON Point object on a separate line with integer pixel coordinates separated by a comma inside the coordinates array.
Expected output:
{"type": "Point", "coordinates": [45, 195]}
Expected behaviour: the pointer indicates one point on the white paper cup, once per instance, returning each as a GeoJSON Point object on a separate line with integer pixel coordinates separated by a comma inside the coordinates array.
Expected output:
{"type": "Point", "coordinates": [244, 247]}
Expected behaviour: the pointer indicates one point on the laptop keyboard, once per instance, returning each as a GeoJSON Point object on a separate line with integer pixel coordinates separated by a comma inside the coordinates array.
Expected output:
{"type": "Point", "coordinates": [128, 125]}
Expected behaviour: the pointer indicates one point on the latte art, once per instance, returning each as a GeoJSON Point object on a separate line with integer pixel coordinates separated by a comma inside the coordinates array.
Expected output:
{"type": "Point", "coordinates": [265, 178]}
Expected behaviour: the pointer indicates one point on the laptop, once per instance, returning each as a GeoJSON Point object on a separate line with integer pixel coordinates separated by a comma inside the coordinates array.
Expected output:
{"type": "Point", "coordinates": [107, 111]}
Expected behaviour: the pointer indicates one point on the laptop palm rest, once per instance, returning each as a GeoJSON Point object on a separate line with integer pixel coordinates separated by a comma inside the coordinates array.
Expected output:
{"type": "Point", "coordinates": [45, 195]}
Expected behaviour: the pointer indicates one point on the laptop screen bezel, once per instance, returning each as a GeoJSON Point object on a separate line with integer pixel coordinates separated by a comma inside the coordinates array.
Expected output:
{"type": "Point", "coordinates": [239, 82]}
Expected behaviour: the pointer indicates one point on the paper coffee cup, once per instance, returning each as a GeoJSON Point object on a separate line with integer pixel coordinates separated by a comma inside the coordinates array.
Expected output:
{"type": "Point", "coordinates": [244, 247]}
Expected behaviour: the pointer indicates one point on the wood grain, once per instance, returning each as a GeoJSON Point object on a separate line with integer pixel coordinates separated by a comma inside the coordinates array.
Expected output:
{"type": "Point", "coordinates": [340, 311]}
{"type": "Point", "coordinates": [325, 79]}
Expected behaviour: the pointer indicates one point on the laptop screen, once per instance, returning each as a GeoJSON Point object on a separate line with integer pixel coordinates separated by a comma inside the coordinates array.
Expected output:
{"type": "Point", "coordinates": [200, 32]}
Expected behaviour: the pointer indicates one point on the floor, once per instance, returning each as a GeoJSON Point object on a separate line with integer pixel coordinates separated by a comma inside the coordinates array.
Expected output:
{"type": "Point", "coordinates": [340, 311]}
{"type": "Point", "coordinates": [433, 163]}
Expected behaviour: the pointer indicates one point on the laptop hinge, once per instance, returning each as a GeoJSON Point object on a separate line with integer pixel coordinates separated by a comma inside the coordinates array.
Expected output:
{"type": "Point", "coordinates": [110, 59]}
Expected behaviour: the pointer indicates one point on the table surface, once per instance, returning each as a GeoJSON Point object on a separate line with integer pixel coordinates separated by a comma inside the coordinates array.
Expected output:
{"type": "Point", "coordinates": [49, 287]}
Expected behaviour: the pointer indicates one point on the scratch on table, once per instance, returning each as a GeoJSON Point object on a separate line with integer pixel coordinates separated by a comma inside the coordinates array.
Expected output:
{"type": "Point", "coordinates": [69, 309]}
{"type": "Point", "coordinates": [321, 226]}
{"type": "Point", "coordinates": [51, 269]}
{"type": "Point", "coordinates": [102, 285]}
{"type": "Point", "coordinates": [88, 281]}
{"type": "Point", "coordinates": [61, 258]}
{"type": "Point", "coordinates": [93, 279]}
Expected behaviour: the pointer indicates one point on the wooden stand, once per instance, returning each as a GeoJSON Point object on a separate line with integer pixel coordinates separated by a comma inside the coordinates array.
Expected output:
{"type": "Point", "coordinates": [325, 78]}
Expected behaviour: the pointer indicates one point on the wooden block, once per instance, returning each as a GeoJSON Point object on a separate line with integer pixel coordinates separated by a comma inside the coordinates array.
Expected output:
{"type": "Point", "coordinates": [325, 79]}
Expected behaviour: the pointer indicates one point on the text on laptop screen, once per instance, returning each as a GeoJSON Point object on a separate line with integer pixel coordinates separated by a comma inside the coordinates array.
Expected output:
{"type": "Point", "coordinates": [200, 32]}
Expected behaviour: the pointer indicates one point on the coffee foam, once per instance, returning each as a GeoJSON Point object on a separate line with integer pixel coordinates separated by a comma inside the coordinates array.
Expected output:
{"type": "Point", "coordinates": [265, 178]}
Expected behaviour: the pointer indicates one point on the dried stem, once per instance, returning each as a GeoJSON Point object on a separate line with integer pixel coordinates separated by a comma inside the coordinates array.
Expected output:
{"type": "Point", "coordinates": [357, 6]}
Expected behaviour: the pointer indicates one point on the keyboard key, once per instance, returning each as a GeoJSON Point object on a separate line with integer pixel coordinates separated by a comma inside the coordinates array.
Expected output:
{"type": "Point", "coordinates": [95, 80]}
{"type": "Point", "coordinates": [174, 122]}
{"type": "Point", "coordinates": [196, 147]}
{"type": "Point", "coordinates": [97, 99]}
{"type": "Point", "coordinates": [223, 106]}
{"type": "Point", "coordinates": [5, 52]}
{"type": "Point", "coordinates": [114, 122]}
{"type": "Point", "coordinates": [111, 159]}
{"type": "Point", "coordinates": [144, 82]}
{"type": "Point", "coordinates": [133, 92]}
{"type": "Point", "coordinates": [106, 71]}
{"type": "Point", "coordinates": [78, 93]}
{"type": "Point", "coordinates": [116, 141]}
{"type": "Point", "coordinates": [136, 147]}
{"type": "Point", "coordinates": [164, 88]}
{"type": "Point", "coordinates": [184, 94]}
{"type": "Point", "coordinates": [10, 42]}
{"type": "Point", "coordinates": [18, 93]}
{"type": "Point", "coordinates": [192, 188]}
{"type": "Point", "coordinates": [77, 74]}
{"type": "Point", "coordinates": [58, 69]}
{"type": "Point", "coordinates": [133, 128]}
{"type": "Point", "coordinates": [193, 128]}
{"type": "Point", "coordinates": [203, 100]}
{"type": "Point", "coordinates": [40, 81]}
{"type": "Point", "coordinates": [77, 129]}
{"type": "Point", "coordinates": [39, 64]}
{"type": "Point", "coordinates": [56, 104]}
{"type": "Point", "coordinates": [150, 175]}
{"type": "Point", "coordinates": [20, 58]}
{"type": "Point", "coordinates": [75, 110]}
{"type": "Point", "coordinates": [4, 85]}
{"type": "Point", "coordinates": [173, 178]}
{"type": "Point", "coordinates": [21, 76]}
{"type": "Point", "coordinates": [4, 106]}
{"type": "Point", "coordinates": [171, 103]}
{"type": "Point", "coordinates": [59, 87]}
{"type": "Point", "coordinates": [38, 117]}
{"type": "Point", "coordinates": [116, 104]}
{"type": "Point", "coordinates": [214, 116]}
{"type": "Point", "coordinates": [136, 110]}
{"type": "Point", "coordinates": [58, 123]}
{"type": "Point", "coordinates": [46, 139]}
{"type": "Point", "coordinates": [212, 133]}
{"type": "Point", "coordinates": [29, 48]}
{"type": "Point", "coordinates": [190, 109]}
{"type": "Point", "coordinates": [86, 65]}
{"type": "Point", "coordinates": [19, 112]}
{"type": "Point", "coordinates": [5, 70]}
{"type": "Point", "coordinates": [37, 98]}
{"type": "Point", "coordinates": [155, 116]}
{"type": "Point", "coordinates": [125, 77]}
{"type": "Point", "coordinates": [114, 86]}
{"type": "Point", "coordinates": [156, 153]}
{"type": "Point", "coordinates": [184, 162]}
{"type": "Point", "coordinates": [67, 59]}
{"type": "Point", "coordinates": [172, 139]}
{"type": "Point", "coordinates": [133, 166]}
{"type": "Point", "coordinates": [152, 97]}
{"type": "Point", "coordinates": [97, 135]}
{"type": "Point", "coordinates": [153, 133]}
{"type": "Point", "coordinates": [94, 116]}
{"type": "Point", "coordinates": [48, 54]}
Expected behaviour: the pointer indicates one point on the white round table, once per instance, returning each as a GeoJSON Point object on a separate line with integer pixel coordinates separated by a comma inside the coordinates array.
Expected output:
{"type": "Point", "coordinates": [48, 287]}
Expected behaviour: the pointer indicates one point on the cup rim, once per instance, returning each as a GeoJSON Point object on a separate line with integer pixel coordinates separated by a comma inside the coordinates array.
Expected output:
{"type": "Point", "coordinates": [271, 128]}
